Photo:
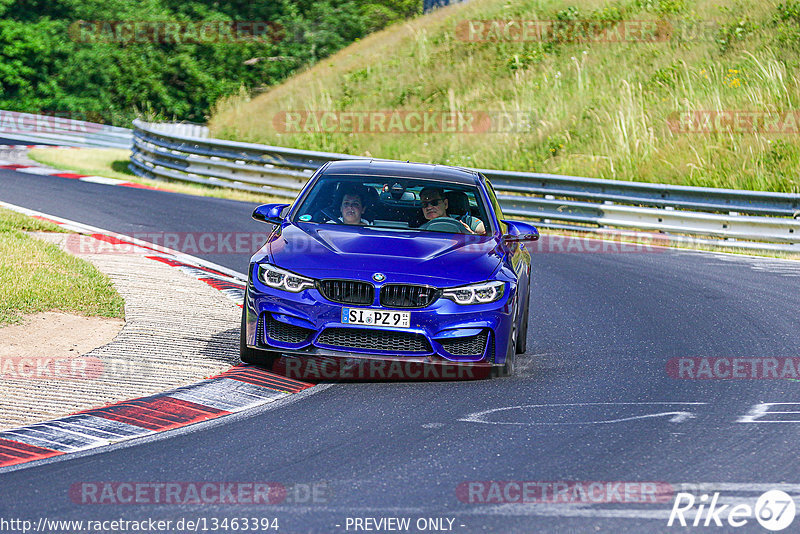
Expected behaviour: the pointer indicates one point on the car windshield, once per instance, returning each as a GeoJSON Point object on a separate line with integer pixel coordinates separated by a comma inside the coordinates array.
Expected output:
{"type": "Point", "coordinates": [395, 203]}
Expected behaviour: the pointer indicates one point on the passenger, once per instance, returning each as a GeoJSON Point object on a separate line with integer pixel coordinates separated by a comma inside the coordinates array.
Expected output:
{"type": "Point", "coordinates": [352, 206]}
{"type": "Point", "coordinates": [434, 205]}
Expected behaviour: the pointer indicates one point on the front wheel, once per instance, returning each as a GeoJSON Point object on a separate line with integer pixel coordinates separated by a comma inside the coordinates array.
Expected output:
{"type": "Point", "coordinates": [261, 358]}
{"type": "Point", "coordinates": [522, 338]}
{"type": "Point", "coordinates": [507, 369]}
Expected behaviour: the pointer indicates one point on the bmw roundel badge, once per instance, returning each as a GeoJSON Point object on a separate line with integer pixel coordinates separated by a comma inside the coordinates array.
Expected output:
{"type": "Point", "coordinates": [379, 277]}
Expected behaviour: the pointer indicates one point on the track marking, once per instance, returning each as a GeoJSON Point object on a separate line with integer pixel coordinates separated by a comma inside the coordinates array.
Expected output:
{"type": "Point", "coordinates": [240, 388]}
{"type": "Point", "coordinates": [676, 416]}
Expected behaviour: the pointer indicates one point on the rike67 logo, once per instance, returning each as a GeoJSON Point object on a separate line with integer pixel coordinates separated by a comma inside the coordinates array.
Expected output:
{"type": "Point", "coordinates": [774, 510]}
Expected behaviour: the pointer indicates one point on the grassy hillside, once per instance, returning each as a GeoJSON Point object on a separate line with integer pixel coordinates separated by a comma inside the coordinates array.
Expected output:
{"type": "Point", "coordinates": [599, 109]}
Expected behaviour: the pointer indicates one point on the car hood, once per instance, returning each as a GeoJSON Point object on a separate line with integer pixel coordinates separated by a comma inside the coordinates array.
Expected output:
{"type": "Point", "coordinates": [333, 251]}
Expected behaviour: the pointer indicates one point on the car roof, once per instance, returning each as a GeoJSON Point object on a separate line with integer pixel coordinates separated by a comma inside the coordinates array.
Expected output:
{"type": "Point", "coordinates": [403, 169]}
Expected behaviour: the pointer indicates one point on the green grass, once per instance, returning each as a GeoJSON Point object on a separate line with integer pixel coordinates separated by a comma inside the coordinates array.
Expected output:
{"type": "Point", "coordinates": [113, 163]}
{"type": "Point", "coordinates": [600, 109]}
{"type": "Point", "coordinates": [36, 276]}
{"type": "Point", "coordinates": [11, 221]}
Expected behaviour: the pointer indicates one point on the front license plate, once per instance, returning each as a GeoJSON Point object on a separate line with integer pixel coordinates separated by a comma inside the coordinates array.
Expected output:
{"type": "Point", "coordinates": [376, 317]}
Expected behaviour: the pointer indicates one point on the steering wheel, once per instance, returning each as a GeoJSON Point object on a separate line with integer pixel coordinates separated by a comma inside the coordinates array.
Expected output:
{"type": "Point", "coordinates": [445, 224]}
{"type": "Point", "coordinates": [325, 215]}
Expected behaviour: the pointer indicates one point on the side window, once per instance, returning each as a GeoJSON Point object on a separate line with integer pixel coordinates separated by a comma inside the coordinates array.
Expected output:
{"type": "Point", "coordinates": [496, 207]}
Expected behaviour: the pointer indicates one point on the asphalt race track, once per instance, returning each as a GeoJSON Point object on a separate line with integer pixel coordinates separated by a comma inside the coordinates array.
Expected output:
{"type": "Point", "coordinates": [591, 401]}
{"type": "Point", "coordinates": [7, 141]}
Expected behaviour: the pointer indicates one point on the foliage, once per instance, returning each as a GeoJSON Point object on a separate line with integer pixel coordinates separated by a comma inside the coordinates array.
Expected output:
{"type": "Point", "coordinates": [56, 58]}
{"type": "Point", "coordinates": [787, 23]}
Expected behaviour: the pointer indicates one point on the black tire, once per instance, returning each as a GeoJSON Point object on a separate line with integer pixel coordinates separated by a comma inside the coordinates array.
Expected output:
{"type": "Point", "coordinates": [262, 358]}
{"type": "Point", "coordinates": [507, 369]}
{"type": "Point", "coordinates": [522, 337]}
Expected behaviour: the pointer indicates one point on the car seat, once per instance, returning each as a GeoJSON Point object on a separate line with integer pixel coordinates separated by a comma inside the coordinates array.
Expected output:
{"type": "Point", "coordinates": [457, 204]}
{"type": "Point", "coordinates": [372, 204]}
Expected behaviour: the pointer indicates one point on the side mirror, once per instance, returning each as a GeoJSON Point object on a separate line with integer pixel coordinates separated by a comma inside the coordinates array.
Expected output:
{"type": "Point", "coordinates": [270, 213]}
{"type": "Point", "coordinates": [520, 232]}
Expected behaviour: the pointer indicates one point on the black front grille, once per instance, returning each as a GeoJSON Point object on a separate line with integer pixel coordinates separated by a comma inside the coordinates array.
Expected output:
{"type": "Point", "coordinates": [383, 340]}
{"type": "Point", "coordinates": [407, 296]}
{"type": "Point", "coordinates": [465, 346]}
{"type": "Point", "coordinates": [347, 291]}
{"type": "Point", "coordinates": [286, 333]}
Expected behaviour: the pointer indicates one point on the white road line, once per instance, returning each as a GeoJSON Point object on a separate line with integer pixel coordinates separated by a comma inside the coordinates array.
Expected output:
{"type": "Point", "coordinates": [676, 416]}
{"type": "Point", "coordinates": [37, 170]}
{"type": "Point", "coordinates": [101, 180]}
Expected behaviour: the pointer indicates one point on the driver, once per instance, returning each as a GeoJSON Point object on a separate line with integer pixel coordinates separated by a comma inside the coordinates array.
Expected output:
{"type": "Point", "coordinates": [434, 205]}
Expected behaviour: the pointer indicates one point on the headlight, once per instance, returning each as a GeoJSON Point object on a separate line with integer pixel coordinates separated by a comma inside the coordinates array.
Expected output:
{"type": "Point", "coordinates": [476, 293]}
{"type": "Point", "coordinates": [282, 279]}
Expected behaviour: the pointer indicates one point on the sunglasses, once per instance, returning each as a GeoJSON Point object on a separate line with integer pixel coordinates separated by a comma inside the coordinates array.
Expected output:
{"type": "Point", "coordinates": [435, 202]}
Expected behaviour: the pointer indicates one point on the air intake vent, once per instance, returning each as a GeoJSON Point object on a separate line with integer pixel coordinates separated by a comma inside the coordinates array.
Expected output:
{"type": "Point", "coordinates": [383, 340]}
{"type": "Point", "coordinates": [286, 333]}
{"type": "Point", "coordinates": [408, 296]}
{"type": "Point", "coordinates": [347, 291]}
{"type": "Point", "coordinates": [260, 330]}
{"type": "Point", "coordinates": [465, 346]}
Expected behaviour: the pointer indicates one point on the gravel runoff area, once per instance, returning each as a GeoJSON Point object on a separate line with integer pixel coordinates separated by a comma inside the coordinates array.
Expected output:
{"type": "Point", "coordinates": [178, 330]}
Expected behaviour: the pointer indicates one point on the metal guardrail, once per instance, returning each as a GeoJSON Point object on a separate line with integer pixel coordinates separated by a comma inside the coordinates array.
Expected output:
{"type": "Point", "coordinates": [62, 131]}
{"type": "Point", "coordinates": [558, 201]}
{"type": "Point", "coordinates": [185, 129]}
{"type": "Point", "coordinates": [276, 171]}
{"type": "Point", "coordinates": [430, 5]}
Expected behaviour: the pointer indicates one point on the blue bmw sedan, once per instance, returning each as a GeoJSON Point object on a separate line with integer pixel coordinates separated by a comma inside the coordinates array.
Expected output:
{"type": "Point", "coordinates": [391, 261]}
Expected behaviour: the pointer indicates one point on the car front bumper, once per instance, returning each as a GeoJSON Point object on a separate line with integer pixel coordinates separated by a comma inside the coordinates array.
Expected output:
{"type": "Point", "coordinates": [308, 324]}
